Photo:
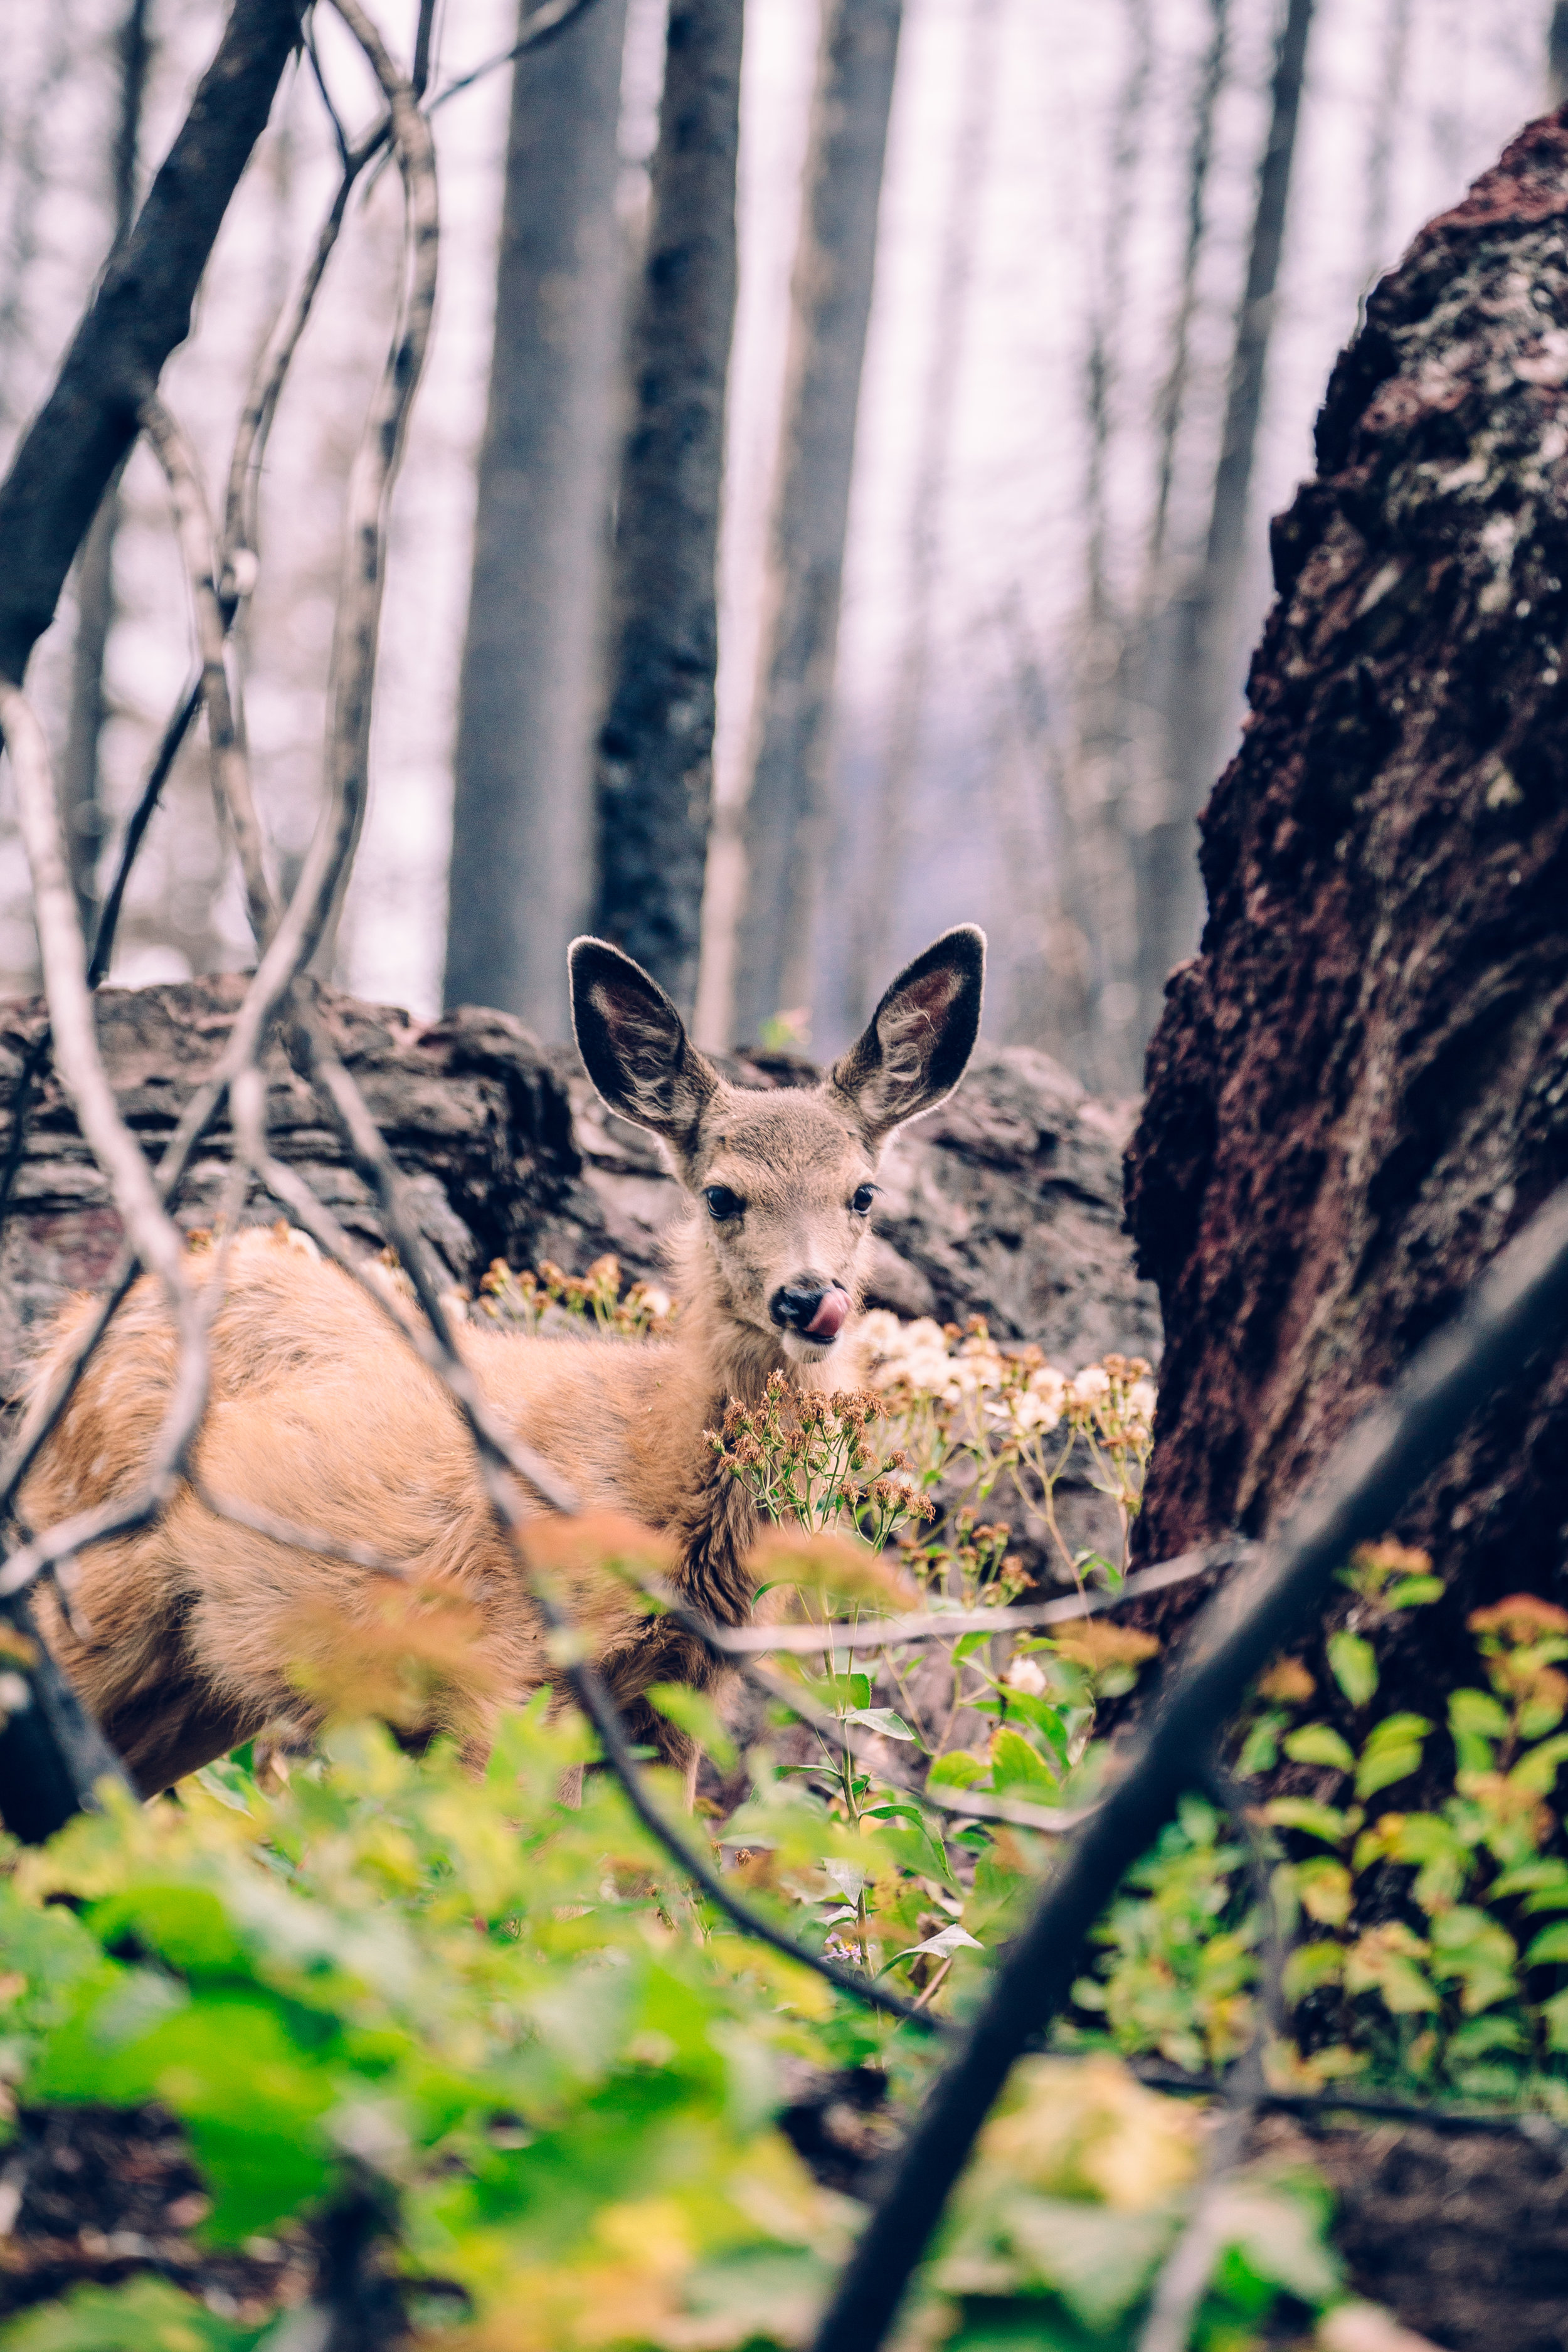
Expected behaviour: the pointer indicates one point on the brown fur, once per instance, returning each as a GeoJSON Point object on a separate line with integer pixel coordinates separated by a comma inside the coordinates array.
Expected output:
{"type": "Point", "coordinates": [197, 1634]}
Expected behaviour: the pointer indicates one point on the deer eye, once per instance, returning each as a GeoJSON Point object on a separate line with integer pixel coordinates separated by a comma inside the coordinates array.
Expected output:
{"type": "Point", "coordinates": [862, 1199]}
{"type": "Point", "coordinates": [723, 1204]}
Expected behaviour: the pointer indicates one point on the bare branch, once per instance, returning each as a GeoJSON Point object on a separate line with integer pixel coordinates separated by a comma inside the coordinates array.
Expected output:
{"type": "Point", "coordinates": [141, 816]}
{"type": "Point", "coordinates": [543, 26]}
{"type": "Point", "coordinates": [947, 1625]}
{"type": "Point", "coordinates": [231, 769]}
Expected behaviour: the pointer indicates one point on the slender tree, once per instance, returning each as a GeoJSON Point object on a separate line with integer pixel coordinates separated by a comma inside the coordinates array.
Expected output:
{"type": "Point", "coordinates": [1096, 780]}
{"type": "Point", "coordinates": [656, 747]}
{"type": "Point", "coordinates": [830, 307]}
{"type": "Point", "coordinates": [79, 781]}
{"type": "Point", "coordinates": [1200, 670]}
{"type": "Point", "coordinates": [869, 933]}
{"type": "Point", "coordinates": [1386, 119]}
{"type": "Point", "coordinates": [522, 831]}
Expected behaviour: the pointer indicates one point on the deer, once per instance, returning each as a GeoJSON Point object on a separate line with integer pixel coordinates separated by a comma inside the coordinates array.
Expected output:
{"type": "Point", "coordinates": [194, 1634]}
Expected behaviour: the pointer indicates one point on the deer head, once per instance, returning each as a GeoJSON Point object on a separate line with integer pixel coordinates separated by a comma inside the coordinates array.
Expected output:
{"type": "Point", "coordinates": [783, 1182]}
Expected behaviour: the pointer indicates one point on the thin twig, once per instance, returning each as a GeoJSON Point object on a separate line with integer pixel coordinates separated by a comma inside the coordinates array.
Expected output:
{"type": "Point", "coordinates": [542, 27]}
{"type": "Point", "coordinates": [231, 769]}
{"type": "Point", "coordinates": [945, 1625]}
{"type": "Point", "coordinates": [1530, 2121]}
{"type": "Point", "coordinates": [174, 734]}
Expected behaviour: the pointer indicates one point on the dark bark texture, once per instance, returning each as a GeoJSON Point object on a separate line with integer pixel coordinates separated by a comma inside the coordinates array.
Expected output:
{"type": "Point", "coordinates": [1007, 1201]}
{"type": "Point", "coordinates": [1359, 1086]}
{"type": "Point", "coordinates": [656, 747]}
{"type": "Point", "coordinates": [141, 311]}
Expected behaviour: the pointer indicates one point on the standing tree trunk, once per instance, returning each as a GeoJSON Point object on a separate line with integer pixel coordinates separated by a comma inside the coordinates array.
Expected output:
{"type": "Point", "coordinates": [870, 931]}
{"type": "Point", "coordinates": [656, 748]}
{"type": "Point", "coordinates": [1360, 1088]}
{"type": "Point", "coordinates": [522, 835]}
{"type": "Point", "coordinates": [78, 782]}
{"type": "Point", "coordinates": [1204, 620]}
{"type": "Point", "coordinates": [831, 304]}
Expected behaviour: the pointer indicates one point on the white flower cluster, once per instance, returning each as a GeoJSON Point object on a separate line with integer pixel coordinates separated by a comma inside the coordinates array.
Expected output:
{"type": "Point", "coordinates": [913, 1355]}
{"type": "Point", "coordinates": [918, 1356]}
{"type": "Point", "coordinates": [1036, 1408]}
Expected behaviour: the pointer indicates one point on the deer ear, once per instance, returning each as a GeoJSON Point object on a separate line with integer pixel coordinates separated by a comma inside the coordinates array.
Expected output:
{"type": "Point", "coordinates": [920, 1036]}
{"type": "Point", "coordinates": [634, 1042]}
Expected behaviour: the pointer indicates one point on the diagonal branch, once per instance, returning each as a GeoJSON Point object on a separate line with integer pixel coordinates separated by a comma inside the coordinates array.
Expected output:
{"type": "Point", "coordinates": [141, 311]}
{"type": "Point", "coordinates": [231, 769]}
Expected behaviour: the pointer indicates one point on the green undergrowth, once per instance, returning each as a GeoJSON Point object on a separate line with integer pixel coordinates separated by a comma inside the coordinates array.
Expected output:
{"type": "Point", "coordinates": [563, 2071]}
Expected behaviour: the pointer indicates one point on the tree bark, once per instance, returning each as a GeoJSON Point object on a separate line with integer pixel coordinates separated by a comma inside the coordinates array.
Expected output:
{"type": "Point", "coordinates": [1358, 1090]}
{"type": "Point", "coordinates": [656, 748]}
{"type": "Point", "coordinates": [522, 835]}
{"type": "Point", "coordinates": [831, 305]}
{"type": "Point", "coordinates": [1204, 623]}
{"type": "Point", "coordinates": [79, 801]}
{"type": "Point", "coordinates": [141, 311]}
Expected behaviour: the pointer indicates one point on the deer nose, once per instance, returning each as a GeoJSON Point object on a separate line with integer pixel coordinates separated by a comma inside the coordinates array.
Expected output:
{"type": "Point", "coordinates": [815, 1309]}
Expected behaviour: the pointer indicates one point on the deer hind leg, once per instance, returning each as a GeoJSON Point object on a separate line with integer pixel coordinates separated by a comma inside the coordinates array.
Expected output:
{"type": "Point", "coordinates": [133, 1668]}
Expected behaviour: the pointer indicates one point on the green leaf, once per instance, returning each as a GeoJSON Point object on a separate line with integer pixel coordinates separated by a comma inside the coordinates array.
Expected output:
{"type": "Point", "coordinates": [1280, 2237]}
{"type": "Point", "coordinates": [1325, 1888]}
{"type": "Point", "coordinates": [1260, 1749]}
{"type": "Point", "coordinates": [1042, 1716]}
{"type": "Point", "coordinates": [1552, 1944]}
{"type": "Point", "coordinates": [1310, 1966]}
{"type": "Point", "coordinates": [882, 1719]}
{"type": "Point", "coordinates": [1354, 1665]}
{"type": "Point", "coordinates": [1546, 1881]}
{"type": "Point", "coordinates": [1015, 1764]}
{"type": "Point", "coordinates": [1478, 1711]}
{"type": "Point", "coordinates": [146, 2314]}
{"type": "Point", "coordinates": [958, 1770]}
{"type": "Point", "coordinates": [967, 1644]}
{"type": "Point", "coordinates": [1413, 1593]}
{"type": "Point", "coordinates": [1381, 1768]}
{"type": "Point", "coordinates": [187, 1925]}
{"type": "Point", "coordinates": [1395, 1731]}
{"type": "Point", "coordinates": [1319, 1743]}
{"type": "Point", "coordinates": [1304, 1814]}
{"type": "Point", "coordinates": [947, 1939]}
{"type": "Point", "coordinates": [1538, 1771]}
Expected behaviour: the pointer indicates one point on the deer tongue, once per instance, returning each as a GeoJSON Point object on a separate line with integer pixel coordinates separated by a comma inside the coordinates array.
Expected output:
{"type": "Point", "coordinates": [828, 1320]}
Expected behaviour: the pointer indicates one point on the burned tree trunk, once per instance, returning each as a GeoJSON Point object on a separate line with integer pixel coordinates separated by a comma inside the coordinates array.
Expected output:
{"type": "Point", "coordinates": [1360, 1088]}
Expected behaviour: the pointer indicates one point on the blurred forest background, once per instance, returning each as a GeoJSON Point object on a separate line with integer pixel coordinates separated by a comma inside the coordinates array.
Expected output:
{"type": "Point", "coordinates": [1099, 273]}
